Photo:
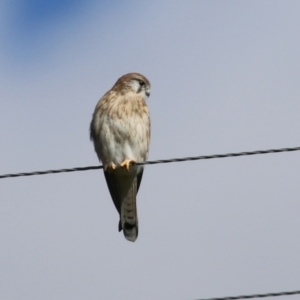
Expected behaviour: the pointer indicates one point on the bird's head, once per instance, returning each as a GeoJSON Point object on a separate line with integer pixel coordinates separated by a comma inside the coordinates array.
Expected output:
{"type": "Point", "coordinates": [134, 82]}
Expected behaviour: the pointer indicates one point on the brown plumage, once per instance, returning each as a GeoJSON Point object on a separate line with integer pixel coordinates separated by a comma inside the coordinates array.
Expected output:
{"type": "Point", "coordinates": [120, 130]}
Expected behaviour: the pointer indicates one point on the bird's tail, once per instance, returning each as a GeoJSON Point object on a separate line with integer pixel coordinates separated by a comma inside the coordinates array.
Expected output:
{"type": "Point", "coordinates": [128, 214]}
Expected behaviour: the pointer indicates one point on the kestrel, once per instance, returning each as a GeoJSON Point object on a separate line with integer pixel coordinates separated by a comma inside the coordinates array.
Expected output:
{"type": "Point", "coordinates": [120, 130]}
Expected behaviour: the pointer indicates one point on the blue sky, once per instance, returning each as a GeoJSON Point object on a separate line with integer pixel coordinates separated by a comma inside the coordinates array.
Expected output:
{"type": "Point", "coordinates": [34, 13]}
{"type": "Point", "coordinates": [34, 26]}
{"type": "Point", "coordinates": [224, 78]}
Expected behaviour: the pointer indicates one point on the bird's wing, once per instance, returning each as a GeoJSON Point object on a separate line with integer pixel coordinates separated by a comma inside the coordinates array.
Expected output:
{"type": "Point", "coordinates": [139, 178]}
{"type": "Point", "coordinates": [123, 192]}
{"type": "Point", "coordinates": [114, 188]}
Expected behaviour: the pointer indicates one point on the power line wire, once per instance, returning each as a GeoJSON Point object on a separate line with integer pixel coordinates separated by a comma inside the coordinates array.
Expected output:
{"type": "Point", "coordinates": [256, 296]}
{"type": "Point", "coordinates": [153, 162]}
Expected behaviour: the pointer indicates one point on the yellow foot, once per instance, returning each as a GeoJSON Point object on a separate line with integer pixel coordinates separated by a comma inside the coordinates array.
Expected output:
{"type": "Point", "coordinates": [110, 167]}
{"type": "Point", "coordinates": [126, 163]}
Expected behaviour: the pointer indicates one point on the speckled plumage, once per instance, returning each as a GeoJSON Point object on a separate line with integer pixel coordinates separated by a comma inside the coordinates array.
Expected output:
{"type": "Point", "coordinates": [120, 130]}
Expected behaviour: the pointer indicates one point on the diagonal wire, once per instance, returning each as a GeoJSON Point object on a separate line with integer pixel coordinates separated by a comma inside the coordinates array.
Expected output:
{"type": "Point", "coordinates": [256, 296]}
{"type": "Point", "coordinates": [153, 162]}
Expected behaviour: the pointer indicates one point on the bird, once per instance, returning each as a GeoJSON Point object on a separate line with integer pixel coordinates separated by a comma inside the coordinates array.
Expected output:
{"type": "Point", "coordinates": [120, 132]}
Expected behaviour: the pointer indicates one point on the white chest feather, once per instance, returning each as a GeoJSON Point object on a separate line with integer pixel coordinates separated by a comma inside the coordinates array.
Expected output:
{"type": "Point", "coordinates": [123, 133]}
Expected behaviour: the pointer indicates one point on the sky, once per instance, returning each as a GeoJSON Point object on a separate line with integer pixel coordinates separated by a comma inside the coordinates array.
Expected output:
{"type": "Point", "coordinates": [224, 78]}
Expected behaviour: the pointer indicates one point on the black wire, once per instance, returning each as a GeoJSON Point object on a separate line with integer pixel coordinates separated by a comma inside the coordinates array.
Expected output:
{"type": "Point", "coordinates": [256, 296]}
{"type": "Point", "coordinates": [162, 161]}
{"type": "Point", "coordinates": [181, 160]}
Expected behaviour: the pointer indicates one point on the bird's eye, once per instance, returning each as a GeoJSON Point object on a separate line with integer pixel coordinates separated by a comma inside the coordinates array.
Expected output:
{"type": "Point", "coordinates": [142, 83]}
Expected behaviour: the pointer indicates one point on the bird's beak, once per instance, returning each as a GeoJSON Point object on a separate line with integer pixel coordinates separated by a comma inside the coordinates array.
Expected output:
{"type": "Point", "coordinates": [147, 93]}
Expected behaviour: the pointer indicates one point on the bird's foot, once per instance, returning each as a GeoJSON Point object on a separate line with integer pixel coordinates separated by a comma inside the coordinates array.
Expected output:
{"type": "Point", "coordinates": [110, 167]}
{"type": "Point", "coordinates": [126, 163]}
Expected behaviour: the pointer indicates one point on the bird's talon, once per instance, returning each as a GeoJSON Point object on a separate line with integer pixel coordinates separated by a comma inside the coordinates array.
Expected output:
{"type": "Point", "coordinates": [126, 163]}
{"type": "Point", "coordinates": [111, 166]}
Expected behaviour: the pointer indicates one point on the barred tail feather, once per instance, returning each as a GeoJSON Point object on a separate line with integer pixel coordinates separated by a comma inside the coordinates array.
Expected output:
{"type": "Point", "coordinates": [129, 219]}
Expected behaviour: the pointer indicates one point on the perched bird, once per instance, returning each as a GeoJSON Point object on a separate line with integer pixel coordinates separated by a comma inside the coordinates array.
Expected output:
{"type": "Point", "coordinates": [120, 131]}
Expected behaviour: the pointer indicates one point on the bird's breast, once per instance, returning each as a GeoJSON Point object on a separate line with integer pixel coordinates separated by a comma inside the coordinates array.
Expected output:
{"type": "Point", "coordinates": [124, 132]}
